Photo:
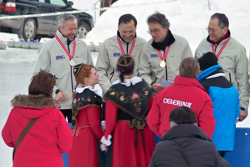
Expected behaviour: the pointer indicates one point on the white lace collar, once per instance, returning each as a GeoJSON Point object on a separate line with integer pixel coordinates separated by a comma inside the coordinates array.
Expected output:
{"type": "Point", "coordinates": [128, 82]}
{"type": "Point", "coordinates": [81, 89]}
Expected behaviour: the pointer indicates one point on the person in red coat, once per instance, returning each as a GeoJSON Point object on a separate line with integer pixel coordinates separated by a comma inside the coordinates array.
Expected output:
{"type": "Point", "coordinates": [127, 104]}
{"type": "Point", "coordinates": [186, 91]}
{"type": "Point", "coordinates": [86, 110]}
{"type": "Point", "coordinates": [48, 137]}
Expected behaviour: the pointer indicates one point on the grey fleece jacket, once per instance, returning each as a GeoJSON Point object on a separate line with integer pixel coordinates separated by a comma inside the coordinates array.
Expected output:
{"type": "Point", "coordinates": [53, 59]}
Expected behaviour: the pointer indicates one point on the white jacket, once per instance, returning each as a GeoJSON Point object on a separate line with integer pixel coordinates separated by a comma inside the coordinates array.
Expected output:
{"type": "Point", "coordinates": [149, 68]}
{"type": "Point", "coordinates": [108, 56]}
{"type": "Point", "coordinates": [234, 63]}
{"type": "Point", "coordinates": [53, 59]}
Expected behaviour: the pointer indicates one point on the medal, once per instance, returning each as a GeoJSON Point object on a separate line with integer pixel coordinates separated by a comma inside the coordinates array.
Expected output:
{"type": "Point", "coordinates": [72, 63]}
{"type": "Point", "coordinates": [163, 59]}
{"type": "Point", "coordinates": [162, 64]}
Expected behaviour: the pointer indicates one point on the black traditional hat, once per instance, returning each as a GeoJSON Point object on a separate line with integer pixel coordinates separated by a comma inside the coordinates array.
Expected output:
{"type": "Point", "coordinates": [77, 69]}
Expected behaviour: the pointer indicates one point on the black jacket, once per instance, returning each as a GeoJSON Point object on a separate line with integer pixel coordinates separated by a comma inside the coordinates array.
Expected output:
{"type": "Point", "coordinates": [196, 146]}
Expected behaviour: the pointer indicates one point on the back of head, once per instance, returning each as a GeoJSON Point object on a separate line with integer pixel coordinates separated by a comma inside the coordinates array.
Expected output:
{"type": "Point", "coordinates": [125, 65]}
{"type": "Point", "coordinates": [42, 83]}
{"type": "Point", "coordinates": [159, 18]}
{"type": "Point", "coordinates": [223, 20]}
{"type": "Point", "coordinates": [182, 115]}
{"type": "Point", "coordinates": [81, 71]}
{"type": "Point", "coordinates": [65, 17]}
{"type": "Point", "coordinates": [126, 18]}
{"type": "Point", "coordinates": [189, 68]}
{"type": "Point", "coordinates": [207, 60]}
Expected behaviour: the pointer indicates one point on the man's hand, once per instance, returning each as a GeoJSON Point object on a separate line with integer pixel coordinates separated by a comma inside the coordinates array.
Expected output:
{"type": "Point", "coordinates": [157, 87]}
{"type": "Point", "coordinates": [243, 115]}
{"type": "Point", "coordinates": [60, 97]}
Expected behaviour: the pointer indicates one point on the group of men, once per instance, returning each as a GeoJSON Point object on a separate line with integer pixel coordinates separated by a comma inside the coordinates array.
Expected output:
{"type": "Point", "coordinates": [156, 60]}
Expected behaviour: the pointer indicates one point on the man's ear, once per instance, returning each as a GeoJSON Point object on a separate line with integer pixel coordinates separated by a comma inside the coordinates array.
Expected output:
{"type": "Point", "coordinates": [60, 28]}
{"type": "Point", "coordinates": [225, 30]}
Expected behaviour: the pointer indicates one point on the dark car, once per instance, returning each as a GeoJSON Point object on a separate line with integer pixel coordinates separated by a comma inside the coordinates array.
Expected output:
{"type": "Point", "coordinates": [37, 27]}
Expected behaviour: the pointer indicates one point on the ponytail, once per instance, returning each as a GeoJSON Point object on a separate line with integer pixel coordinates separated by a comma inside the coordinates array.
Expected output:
{"type": "Point", "coordinates": [121, 77]}
{"type": "Point", "coordinates": [74, 94]}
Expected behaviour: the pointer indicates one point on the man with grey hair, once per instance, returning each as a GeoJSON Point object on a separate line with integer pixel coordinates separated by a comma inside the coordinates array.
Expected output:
{"type": "Point", "coordinates": [231, 56]}
{"type": "Point", "coordinates": [162, 55]}
{"type": "Point", "coordinates": [58, 56]}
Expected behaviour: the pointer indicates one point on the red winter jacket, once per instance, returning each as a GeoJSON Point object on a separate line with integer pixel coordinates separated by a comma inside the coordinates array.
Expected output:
{"type": "Point", "coordinates": [184, 92]}
{"type": "Point", "coordinates": [48, 137]}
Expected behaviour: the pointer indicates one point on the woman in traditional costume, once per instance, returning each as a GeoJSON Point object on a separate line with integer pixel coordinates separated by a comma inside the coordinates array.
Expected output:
{"type": "Point", "coordinates": [127, 104]}
{"type": "Point", "coordinates": [86, 110]}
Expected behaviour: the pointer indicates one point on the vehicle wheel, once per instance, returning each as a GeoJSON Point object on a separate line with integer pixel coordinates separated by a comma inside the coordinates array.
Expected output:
{"type": "Point", "coordinates": [82, 30]}
{"type": "Point", "coordinates": [29, 29]}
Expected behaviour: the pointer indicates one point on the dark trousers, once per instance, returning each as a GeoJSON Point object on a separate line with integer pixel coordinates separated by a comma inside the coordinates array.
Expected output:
{"type": "Point", "coordinates": [222, 153]}
{"type": "Point", "coordinates": [67, 113]}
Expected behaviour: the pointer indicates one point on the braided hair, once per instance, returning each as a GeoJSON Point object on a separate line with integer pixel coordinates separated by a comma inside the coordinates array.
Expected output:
{"type": "Point", "coordinates": [125, 65]}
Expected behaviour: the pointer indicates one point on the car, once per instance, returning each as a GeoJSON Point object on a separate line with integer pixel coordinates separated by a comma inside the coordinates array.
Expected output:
{"type": "Point", "coordinates": [38, 27]}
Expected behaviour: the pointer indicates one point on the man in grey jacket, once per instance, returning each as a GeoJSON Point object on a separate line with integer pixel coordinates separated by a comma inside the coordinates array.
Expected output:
{"type": "Point", "coordinates": [231, 56]}
{"type": "Point", "coordinates": [162, 55]}
{"type": "Point", "coordinates": [112, 48]}
{"type": "Point", "coordinates": [58, 56]}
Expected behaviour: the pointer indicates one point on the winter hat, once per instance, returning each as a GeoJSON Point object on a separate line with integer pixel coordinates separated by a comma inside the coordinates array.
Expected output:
{"type": "Point", "coordinates": [207, 60]}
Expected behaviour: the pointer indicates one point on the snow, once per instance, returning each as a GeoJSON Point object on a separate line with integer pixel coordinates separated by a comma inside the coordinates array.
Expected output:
{"type": "Point", "coordinates": [188, 18]}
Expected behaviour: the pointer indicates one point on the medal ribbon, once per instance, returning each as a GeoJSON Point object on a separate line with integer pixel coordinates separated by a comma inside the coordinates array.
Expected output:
{"type": "Point", "coordinates": [221, 49]}
{"type": "Point", "coordinates": [64, 48]}
{"type": "Point", "coordinates": [122, 50]}
{"type": "Point", "coordinates": [165, 54]}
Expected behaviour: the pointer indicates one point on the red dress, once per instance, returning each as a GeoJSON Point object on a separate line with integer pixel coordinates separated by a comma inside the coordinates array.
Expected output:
{"type": "Point", "coordinates": [124, 151]}
{"type": "Point", "coordinates": [86, 136]}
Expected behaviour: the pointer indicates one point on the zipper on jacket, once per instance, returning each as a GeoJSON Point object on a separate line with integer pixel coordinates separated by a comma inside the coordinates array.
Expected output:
{"type": "Point", "coordinates": [127, 47]}
{"type": "Point", "coordinates": [229, 77]}
{"type": "Point", "coordinates": [166, 66]}
{"type": "Point", "coordinates": [215, 46]}
{"type": "Point", "coordinates": [71, 78]}
{"type": "Point", "coordinates": [71, 68]}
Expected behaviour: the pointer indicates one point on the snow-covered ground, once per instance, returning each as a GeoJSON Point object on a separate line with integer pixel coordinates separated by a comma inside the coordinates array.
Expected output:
{"type": "Point", "coordinates": [188, 18]}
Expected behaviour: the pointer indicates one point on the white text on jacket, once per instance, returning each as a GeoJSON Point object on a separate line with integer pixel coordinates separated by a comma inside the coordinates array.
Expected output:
{"type": "Point", "coordinates": [177, 102]}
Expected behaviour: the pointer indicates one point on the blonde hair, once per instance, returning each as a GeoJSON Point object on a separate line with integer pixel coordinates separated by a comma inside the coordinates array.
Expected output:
{"type": "Point", "coordinates": [189, 68]}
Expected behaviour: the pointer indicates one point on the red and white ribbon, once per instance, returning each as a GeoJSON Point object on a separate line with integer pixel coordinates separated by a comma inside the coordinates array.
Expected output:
{"type": "Point", "coordinates": [221, 49]}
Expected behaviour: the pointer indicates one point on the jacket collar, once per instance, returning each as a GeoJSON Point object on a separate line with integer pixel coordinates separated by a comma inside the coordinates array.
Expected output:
{"type": "Point", "coordinates": [211, 71]}
{"type": "Point", "coordinates": [227, 35]}
{"type": "Point", "coordinates": [34, 101]}
{"type": "Point", "coordinates": [185, 131]}
{"type": "Point", "coordinates": [64, 40]}
{"type": "Point", "coordinates": [179, 80]}
{"type": "Point", "coordinates": [81, 89]}
{"type": "Point", "coordinates": [162, 45]}
{"type": "Point", "coordinates": [128, 82]}
{"type": "Point", "coordinates": [119, 35]}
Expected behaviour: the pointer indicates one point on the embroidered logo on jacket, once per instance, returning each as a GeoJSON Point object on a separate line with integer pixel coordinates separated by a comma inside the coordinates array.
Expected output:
{"type": "Point", "coordinates": [154, 55]}
{"type": "Point", "coordinates": [116, 54]}
{"type": "Point", "coordinates": [177, 102]}
{"type": "Point", "coordinates": [60, 57]}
